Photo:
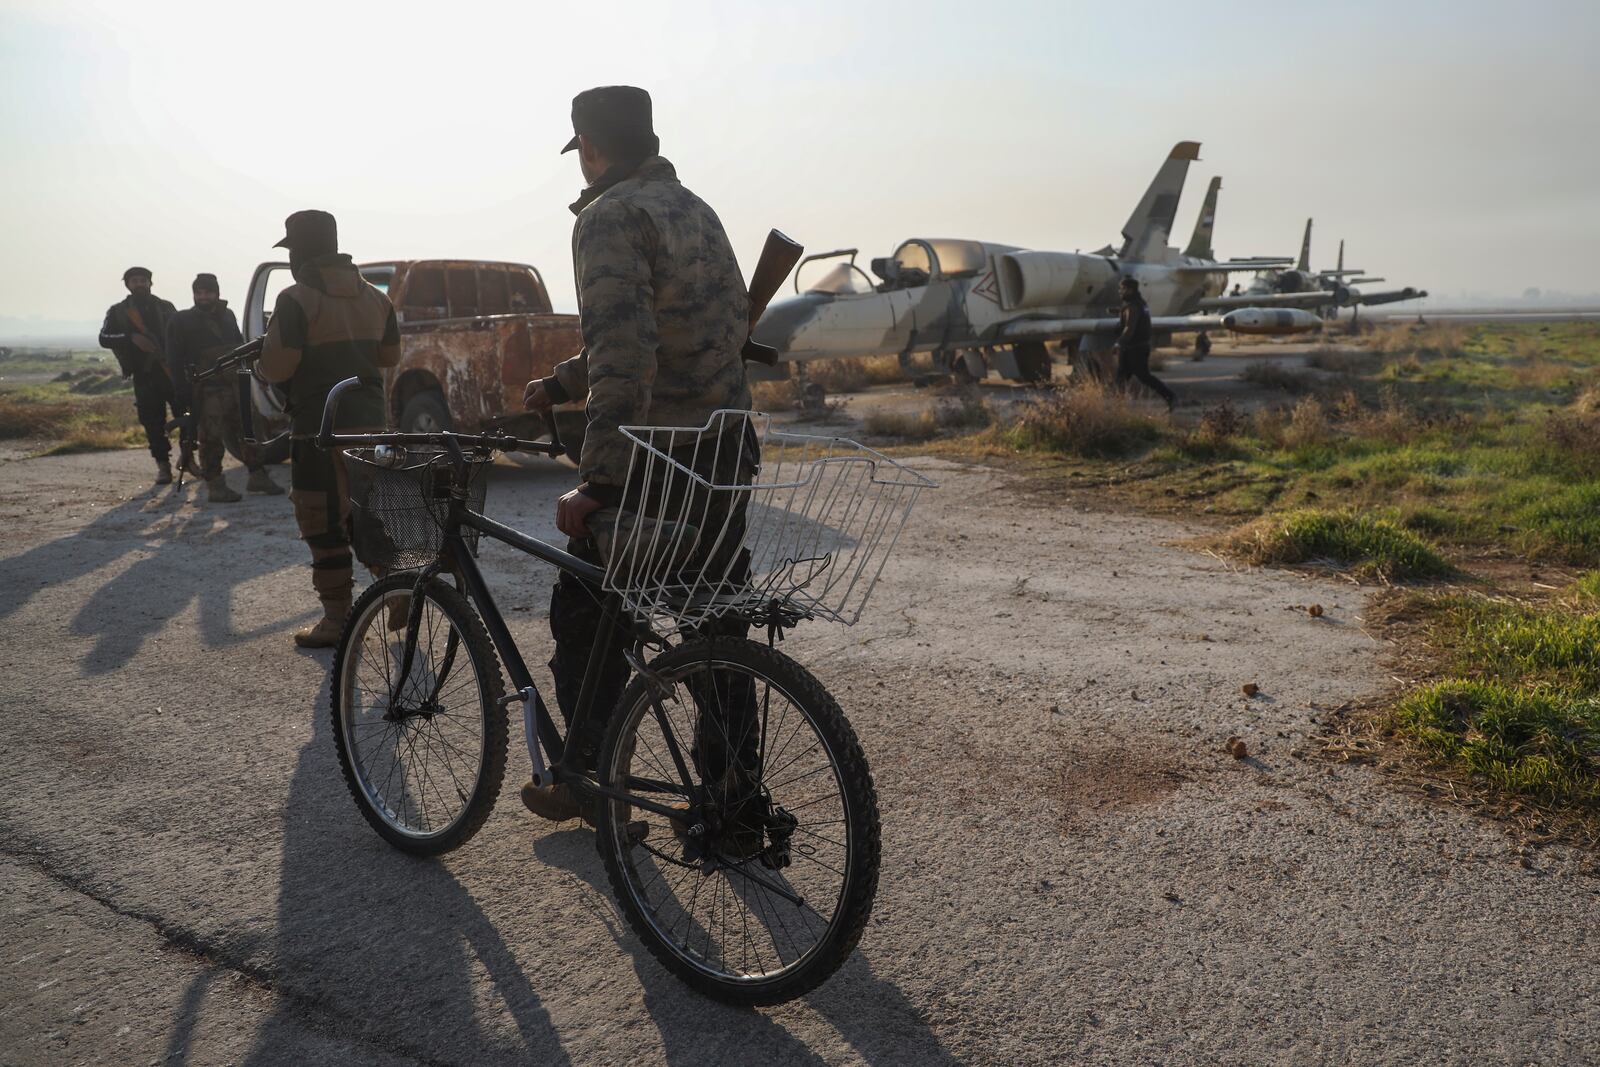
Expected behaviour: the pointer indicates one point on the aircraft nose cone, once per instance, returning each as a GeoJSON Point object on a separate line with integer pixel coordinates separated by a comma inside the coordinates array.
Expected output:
{"type": "Point", "coordinates": [782, 321]}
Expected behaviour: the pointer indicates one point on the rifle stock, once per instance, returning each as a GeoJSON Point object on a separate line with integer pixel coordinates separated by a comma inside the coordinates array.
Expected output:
{"type": "Point", "coordinates": [778, 257]}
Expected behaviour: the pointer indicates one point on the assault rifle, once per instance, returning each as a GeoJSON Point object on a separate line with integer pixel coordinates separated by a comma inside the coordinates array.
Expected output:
{"type": "Point", "coordinates": [248, 352]}
{"type": "Point", "coordinates": [187, 442]}
{"type": "Point", "coordinates": [778, 257]}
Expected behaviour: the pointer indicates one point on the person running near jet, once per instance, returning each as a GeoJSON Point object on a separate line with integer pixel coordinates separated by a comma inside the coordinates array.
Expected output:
{"type": "Point", "coordinates": [330, 325]}
{"type": "Point", "coordinates": [1133, 343]}
{"type": "Point", "coordinates": [135, 329]}
{"type": "Point", "coordinates": [196, 337]}
{"type": "Point", "coordinates": [664, 314]}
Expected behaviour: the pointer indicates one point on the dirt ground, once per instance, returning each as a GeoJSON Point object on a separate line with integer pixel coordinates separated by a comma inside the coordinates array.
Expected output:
{"type": "Point", "coordinates": [1073, 870]}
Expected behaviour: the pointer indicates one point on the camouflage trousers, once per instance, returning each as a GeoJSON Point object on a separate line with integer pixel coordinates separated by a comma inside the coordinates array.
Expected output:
{"type": "Point", "coordinates": [217, 423]}
{"type": "Point", "coordinates": [319, 488]}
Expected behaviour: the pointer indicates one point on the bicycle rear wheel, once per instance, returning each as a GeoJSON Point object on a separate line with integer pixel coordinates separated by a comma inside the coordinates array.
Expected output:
{"type": "Point", "coordinates": [423, 754]}
{"type": "Point", "coordinates": [759, 885]}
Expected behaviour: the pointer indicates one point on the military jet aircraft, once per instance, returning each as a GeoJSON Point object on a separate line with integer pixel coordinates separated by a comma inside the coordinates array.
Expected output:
{"type": "Point", "coordinates": [977, 305]}
{"type": "Point", "coordinates": [1302, 287]}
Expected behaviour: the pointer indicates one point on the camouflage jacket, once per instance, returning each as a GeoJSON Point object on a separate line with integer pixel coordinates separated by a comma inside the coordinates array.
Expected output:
{"type": "Point", "coordinates": [196, 336]}
{"type": "Point", "coordinates": [664, 313]}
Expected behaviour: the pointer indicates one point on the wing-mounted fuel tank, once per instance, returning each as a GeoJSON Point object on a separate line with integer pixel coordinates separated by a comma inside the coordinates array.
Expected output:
{"type": "Point", "coordinates": [1050, 279]}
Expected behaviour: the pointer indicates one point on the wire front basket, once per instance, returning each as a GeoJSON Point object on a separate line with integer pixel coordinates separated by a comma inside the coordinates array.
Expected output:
{"type": "Point", "coordinates": [737, 517]}
{"type": "Point", "coordinates": [400, 499]}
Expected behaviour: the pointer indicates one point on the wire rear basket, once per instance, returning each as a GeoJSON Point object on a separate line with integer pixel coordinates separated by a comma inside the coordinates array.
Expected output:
{"type": "Point", "coordinates": [738, 517]}
{"type": "Point", "coordinates": [400, 500]}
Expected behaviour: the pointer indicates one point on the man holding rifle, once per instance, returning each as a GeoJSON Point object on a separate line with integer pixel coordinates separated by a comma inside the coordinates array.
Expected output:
{"type": "Point", "coordinates": [664, 313]}
{"type": "Point", "coordinates": [196, 338]}
{"type": "Point", "coordinates": [135, 329]}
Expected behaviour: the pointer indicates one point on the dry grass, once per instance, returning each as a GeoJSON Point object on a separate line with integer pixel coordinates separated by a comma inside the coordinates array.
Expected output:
{"type": "Point", "coordinates": [86, 424]}
{"type": "Point", "coordinates": [1083, 420]}
{"type": "Point", "coordinates": [1273, 375]}
{"type": "Point", "coordinates": [780, 395]}
{"type": "Point", "coordinates": [1345, 361]}
{"type": "Point", "coordinates": [966, 410]}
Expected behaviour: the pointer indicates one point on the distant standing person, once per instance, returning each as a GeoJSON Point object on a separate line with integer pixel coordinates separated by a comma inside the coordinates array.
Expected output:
{"type": "Point", "coordinates": [328, 326]}
{"type": "Point", "coordinates": [196, 337]}
{"type": "Point", "coordinates": [135, 329]}
{"type": "Point", "coordinates": [1133, 343]}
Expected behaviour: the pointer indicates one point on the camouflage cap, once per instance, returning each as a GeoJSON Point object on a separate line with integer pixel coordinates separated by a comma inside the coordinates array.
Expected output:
{"type": "Point", "coordinates": [311, 231]}
{"type": "Point", "coordinates": [616, 113]}
{"type": "Point", "coordinates": [131, 271]}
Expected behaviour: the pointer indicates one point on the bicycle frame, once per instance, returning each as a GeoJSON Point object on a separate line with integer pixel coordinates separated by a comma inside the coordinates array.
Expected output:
{"type": "Point", "coordinates": [538, 723]}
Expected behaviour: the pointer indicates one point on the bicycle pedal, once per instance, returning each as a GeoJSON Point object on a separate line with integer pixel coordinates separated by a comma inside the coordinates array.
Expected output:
{"type": "Point", "coordinates": [635, 832]}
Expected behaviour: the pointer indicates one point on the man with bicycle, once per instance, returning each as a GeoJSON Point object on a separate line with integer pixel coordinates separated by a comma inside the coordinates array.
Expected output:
{"type": "Point", "coordinates": [664, 313]}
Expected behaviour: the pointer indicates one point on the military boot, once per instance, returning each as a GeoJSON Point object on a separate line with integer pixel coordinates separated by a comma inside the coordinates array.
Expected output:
{"type": "Point", "coordinates": [324, 633]}
{"type": "Point", "coordinates": [261, 482]}
{"type": "Point", "coordinates": [217, 491]}
{"type": "Point", "coordinates": [163, 472]}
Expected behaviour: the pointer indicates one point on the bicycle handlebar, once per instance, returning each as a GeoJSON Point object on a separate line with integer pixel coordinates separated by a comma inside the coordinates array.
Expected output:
{"type": "Point", "coordinates": [497, 440]}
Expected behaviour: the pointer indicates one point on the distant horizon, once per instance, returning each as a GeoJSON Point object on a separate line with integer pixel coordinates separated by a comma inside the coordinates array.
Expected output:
{"type": "Point", "coordinates": [85, 333]}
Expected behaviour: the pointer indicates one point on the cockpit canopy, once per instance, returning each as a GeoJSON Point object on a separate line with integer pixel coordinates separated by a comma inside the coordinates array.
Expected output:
{"type": "Point", "coordinates": [915, 263]}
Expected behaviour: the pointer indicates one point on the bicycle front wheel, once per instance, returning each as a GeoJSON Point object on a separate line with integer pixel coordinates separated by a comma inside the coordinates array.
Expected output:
{"type": "Point", "coordinates": [759, 883]}
{"type": "Point", "coordinates": [423, 752]}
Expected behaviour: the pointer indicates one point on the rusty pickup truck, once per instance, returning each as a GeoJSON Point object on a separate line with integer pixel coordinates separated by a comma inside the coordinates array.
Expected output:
{"type": "Point", "coordinates": [473, 333]}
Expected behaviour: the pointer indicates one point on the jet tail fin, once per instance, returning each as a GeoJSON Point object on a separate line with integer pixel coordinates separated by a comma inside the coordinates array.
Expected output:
{"type": "Point", "coordinates": [1151, 222]}
{"type": "Point", "coordinates": [1305, 251]}
{"type": "Point", "coordinates": [1200, 243]}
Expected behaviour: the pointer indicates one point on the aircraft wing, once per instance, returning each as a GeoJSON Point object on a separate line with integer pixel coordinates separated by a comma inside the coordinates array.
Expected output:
{"type": "Point", "coordinates": [1391, 296]}
{"type": "Point", "coordinates": [1317, 299]}
{"type": "Point", "coordinates": [1230, 265]}
{"type": "Point", "coordinates": [1052, 329]}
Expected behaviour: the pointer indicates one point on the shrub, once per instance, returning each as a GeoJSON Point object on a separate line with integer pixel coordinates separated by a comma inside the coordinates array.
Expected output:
{"type": "Point", "coordinates": [1538, 743]}
{"type": "Point", "coordinates": [1366, 546]}
{"type": "Point", "coordinates": [1308, 425]}
{"type": "Point", "coordinates": [1083, 420]}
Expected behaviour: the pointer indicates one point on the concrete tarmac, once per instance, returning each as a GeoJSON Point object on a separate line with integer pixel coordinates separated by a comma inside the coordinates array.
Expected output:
{"type": "Point", "coordinates": [1074, 871]}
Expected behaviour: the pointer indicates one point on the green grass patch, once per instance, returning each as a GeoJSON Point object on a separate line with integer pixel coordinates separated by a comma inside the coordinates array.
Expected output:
{"type": "Point", "coordinates": [1484, 439]}
{"type": "Point", "coordinates": [1519, 703]}
{"type": "Point", "coordinates": [1539, 744]}
{"type": "Point", "coordinates": [1366, 546]}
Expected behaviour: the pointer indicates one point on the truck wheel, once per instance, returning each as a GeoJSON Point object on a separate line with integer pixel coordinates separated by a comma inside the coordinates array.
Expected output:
{"type": "Point", "coordinates": [425, 413]}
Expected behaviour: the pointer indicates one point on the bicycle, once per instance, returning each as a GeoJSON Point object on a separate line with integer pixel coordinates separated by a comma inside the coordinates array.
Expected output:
{"type": "Point", "coordinates": [736, 814]}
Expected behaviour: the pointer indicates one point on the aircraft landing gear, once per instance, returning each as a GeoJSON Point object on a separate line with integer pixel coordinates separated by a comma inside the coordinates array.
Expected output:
{"type": "Point", "coordinates": [1033, 361]}
{"type": "Point", "coordinates": [1202, 346]}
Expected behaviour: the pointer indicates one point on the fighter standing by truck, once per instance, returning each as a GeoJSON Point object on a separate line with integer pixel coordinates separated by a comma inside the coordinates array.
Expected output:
{"type": "Point", "coordinates": [330, 325]}
{"type": "Point", "coordinates": [196, 337]}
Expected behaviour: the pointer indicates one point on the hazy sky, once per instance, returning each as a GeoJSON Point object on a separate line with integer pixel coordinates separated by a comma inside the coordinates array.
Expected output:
{"type": "Point", "coordinates": [1454, 145]}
